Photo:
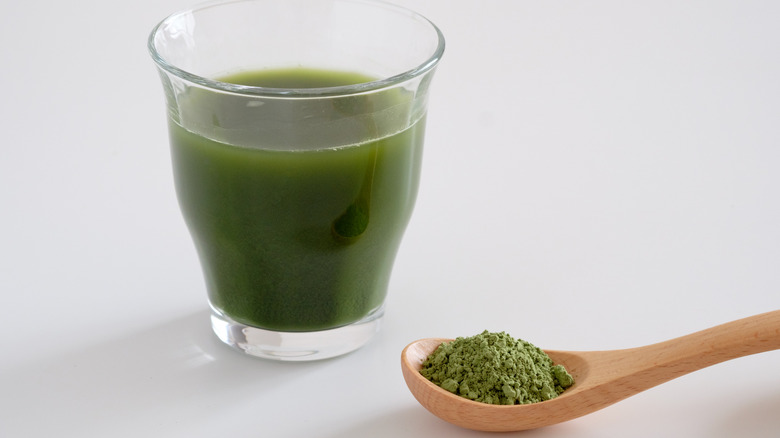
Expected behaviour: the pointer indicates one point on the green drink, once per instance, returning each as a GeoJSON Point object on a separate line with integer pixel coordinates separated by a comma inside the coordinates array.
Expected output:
{"type": "Point", "coordinates": [296, 133]}
{"type": "Point", "coordinates": [266, 223]}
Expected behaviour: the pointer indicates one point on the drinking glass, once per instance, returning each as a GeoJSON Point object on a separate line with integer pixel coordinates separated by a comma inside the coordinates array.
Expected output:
{"type": "Point", "coordinates": [296, 132]}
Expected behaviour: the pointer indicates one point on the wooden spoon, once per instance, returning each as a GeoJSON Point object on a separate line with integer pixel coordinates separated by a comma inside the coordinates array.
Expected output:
{"type": "Point", "coordinates": [601, 378]}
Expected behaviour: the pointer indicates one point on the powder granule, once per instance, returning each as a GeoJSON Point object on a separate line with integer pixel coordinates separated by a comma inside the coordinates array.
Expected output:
{"type": "Point", "coordinates": [497, 369]}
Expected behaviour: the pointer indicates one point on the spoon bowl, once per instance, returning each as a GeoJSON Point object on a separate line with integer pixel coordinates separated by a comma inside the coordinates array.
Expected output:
{"type": "Point", "coordinates": [601, 378]}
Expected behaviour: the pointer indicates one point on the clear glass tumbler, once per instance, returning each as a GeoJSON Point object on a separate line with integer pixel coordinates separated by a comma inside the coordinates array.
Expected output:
{"type": "Point", "coordinates": [296, 134]}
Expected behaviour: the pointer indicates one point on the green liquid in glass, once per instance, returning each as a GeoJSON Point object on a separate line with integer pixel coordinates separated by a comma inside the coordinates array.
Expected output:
{"type": "Point", "coordinates": [297, 240]}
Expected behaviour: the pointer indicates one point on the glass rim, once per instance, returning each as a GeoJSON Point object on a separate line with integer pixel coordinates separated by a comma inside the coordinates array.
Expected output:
{"type": "Point", "coordinates": [363, 87]}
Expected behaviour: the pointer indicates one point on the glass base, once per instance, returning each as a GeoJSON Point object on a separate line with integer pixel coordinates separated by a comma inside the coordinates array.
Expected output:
{"type": "Point", "coordinates": [295, 346]}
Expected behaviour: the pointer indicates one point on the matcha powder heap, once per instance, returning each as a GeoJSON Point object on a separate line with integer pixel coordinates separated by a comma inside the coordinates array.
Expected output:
{"type": "Point", "coordinates": [497, 369]}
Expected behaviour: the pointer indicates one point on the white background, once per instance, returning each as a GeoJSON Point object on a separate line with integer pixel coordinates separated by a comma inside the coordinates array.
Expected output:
{"type": "Point", "coordinates": [597, 175]}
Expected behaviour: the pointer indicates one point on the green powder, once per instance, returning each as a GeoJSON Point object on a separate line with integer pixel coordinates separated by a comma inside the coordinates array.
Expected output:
{"type": "Point", "coordinates": [497, 369]}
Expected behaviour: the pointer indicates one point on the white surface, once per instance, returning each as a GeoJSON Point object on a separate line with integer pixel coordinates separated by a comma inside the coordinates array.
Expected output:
{"type": "Point", "coordinates": [597, 175]}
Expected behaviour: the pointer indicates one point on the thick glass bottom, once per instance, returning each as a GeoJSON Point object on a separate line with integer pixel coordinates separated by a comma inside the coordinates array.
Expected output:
{"type": "Point", "coordinates": [295, 346]}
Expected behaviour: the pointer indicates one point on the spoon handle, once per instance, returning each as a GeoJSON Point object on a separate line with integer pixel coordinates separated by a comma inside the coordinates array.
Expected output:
{"type": "Point", "coordinates": [645, 367]}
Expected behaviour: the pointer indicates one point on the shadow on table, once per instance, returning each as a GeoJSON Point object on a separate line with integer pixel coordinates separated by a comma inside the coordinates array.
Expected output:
{"type": "Point", "coordinates": [759, 419]}
{"type": "Point", "coordinates": [159, 374]}
{"type": "Point", "coordinates": [416, 422]}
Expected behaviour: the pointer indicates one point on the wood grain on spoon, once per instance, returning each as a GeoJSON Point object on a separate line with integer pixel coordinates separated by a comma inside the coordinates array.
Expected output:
{"type": "Point", "coordinates": [601, 377]}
